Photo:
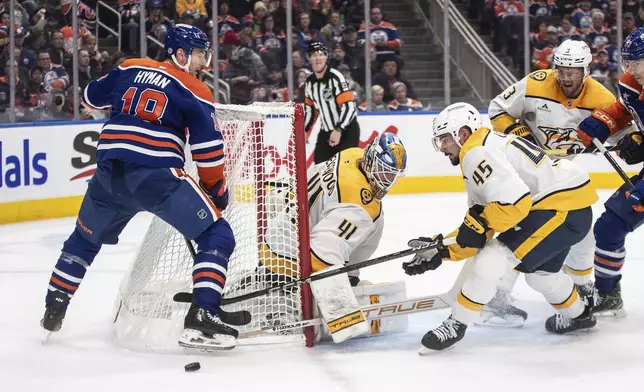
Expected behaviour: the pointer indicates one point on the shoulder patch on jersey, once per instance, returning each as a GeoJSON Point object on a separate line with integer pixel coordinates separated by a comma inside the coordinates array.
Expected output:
{"type": "Point", "coordinates": [366, 196]}
{"type": "Point", "coordinates": [539, 76]}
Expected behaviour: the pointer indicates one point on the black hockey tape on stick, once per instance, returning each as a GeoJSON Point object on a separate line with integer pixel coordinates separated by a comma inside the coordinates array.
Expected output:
{"type": "Point", "coordinates": [612, 162]}
{"type": "Point", "coordinates": [187, 297]}
{"type": "Point", "coordinates": [241, 317]}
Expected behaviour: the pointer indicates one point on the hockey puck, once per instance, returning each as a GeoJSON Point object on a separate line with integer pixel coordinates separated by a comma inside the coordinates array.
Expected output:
{"type": "Point", "coordinates": [192, 367]}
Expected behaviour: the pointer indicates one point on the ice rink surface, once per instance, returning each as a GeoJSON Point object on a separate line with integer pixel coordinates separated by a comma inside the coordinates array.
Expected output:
{"type": "Point", "coordinates": [84, 357]}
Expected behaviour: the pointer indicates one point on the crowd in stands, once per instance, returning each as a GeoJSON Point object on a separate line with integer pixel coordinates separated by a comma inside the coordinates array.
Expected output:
{"type": "Point", "coordinates": [553, 21]}
{"type": "Point", "coordinates": [252, 56]}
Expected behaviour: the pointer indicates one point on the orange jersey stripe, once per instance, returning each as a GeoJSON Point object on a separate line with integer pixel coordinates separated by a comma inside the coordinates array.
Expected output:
{"type": "Point", "coordinates": [609, 262]}
{"type": "Point", "coordinates": [308, 101]}
{"type": "Point", "coordinates": [208, 155]}
{"type": "Point", "coordinates": [141, 139]}
{"type": "Point", "coordinates": [212, 275]}
{"type": "Point", "coordinates": [193, 84]}
{"type": "Point", "coordinates": [63, 284]}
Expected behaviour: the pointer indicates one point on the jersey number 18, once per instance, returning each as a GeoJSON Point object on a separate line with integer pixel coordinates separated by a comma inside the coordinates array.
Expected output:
{"type": "Point", "coordinates": [149, 105]}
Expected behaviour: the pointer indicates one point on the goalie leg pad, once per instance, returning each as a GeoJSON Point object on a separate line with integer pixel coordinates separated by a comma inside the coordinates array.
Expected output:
{"type": "Point", "coordinates": [489, 266]}
{"type": "Point", "coordinates": [559, 291]}
{"type": "Point", "coordinates": [339, 306]}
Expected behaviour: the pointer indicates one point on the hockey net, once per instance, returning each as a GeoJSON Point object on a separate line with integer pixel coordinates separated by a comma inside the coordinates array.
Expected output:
{"type": "Point", "coordinates": [265, 155]}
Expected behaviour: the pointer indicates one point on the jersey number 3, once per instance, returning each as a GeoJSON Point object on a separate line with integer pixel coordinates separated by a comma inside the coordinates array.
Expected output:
{"type": "Point", "coordinates": [149, 105]}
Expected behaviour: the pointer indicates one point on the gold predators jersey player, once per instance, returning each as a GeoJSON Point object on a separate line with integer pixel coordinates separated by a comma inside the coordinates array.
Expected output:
{"type": "Point", "coordinates": [549, 104]}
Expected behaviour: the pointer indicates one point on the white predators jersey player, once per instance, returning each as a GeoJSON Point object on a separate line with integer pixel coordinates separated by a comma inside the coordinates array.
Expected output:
{"type": "Point", "coordinates": [551, 103]}
{"type": "Point", "coordinates": [346, 222]}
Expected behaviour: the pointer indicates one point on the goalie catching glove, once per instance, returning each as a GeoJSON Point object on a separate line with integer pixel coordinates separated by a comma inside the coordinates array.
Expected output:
{"type": "Point", "coordinates": [471, 234]}
{"type": "Point", "coordinates": [427, 260]}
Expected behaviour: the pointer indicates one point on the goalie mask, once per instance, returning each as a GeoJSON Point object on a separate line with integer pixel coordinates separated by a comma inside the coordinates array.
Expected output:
{"type": "Point", "coordinates": [385, 161]}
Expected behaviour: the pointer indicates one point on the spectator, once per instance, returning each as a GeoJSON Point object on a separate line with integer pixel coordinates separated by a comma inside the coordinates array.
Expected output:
{"type": "Point", "coordinates": [377, 104]}
{"type": "Point", "coordinates": [332, 32]}
{"type": "Point", "coordinates": [581, 17]}
{"type": "Point", "coordinates": [21, 87]}
{"type": "Point", "coordinates": [505, 13]}
{"type": "Point", "coordinates": [320, 14]}
{"type": "Point", "coordinates": [130, 18]}
{"type": "Point", "coordinates": [383, 36]}
{"type": "Point", "coordinates": [54, 76]}
{"type": "Point", "coordinates": [57, 51]}
{"type": "Point", "coordinates": [156, 26]}
{"type": "Point", "coordinates": [196, 8]}
{"type": "Point", "coordinates": [567, 30]}
{"type": "Point", "coordinates": [37, 22]}
{"type": "Point", "coordinates": [280, 14]}
{"type": "Point", "coordinates": [35, 87]}
{"type": "Point", "coordinates": [276, 83]}
{"type": "Point", "coordinates": [300, 78]}
{"type": "Point", "coordinates": [259, 14]}
{"type": "Point", "coordinates": [245, 71]}
{"type": "Point", "coordinates": [27, 58]}
{"type": "Point", "coordinates": [628, 24]}
{"type": "Point", "coordinates": [610, 16]}
{"type": "Point", "coordinates": [305, 33]}
{"type": "Point", "coordinates": [353, 16]}
{"type": "Point", "coordinates": [402, 103]}
{"type": "Point", "coordinates": [541, 8]}
{"type": "Point", "coordinates": [542, 53]}
{"type": "Point", "coordinates": [87, 24]}
{"type": "Point", "coordinates": [353, 51]}
{"type": "Point", "coordinates": [271, 43]}
{"type": "Point", "coordinates": [225, 22]}
{"type": "Point", "coordinates": [85, 72]}
{"type": "Point", "coordinates": [605, 72]}
{"type": "Point", "coordinates": [241, 8]}
{"type": "Point", "coordinates": [541, 36]}
{"type": "Point", "coordinates": [116, 59]}
{"type": "Point", "coordinates": [598, 35]}
{"type": "Point", "coordinates": [388, 77]}
{"type": "Point", "coordinates": [299, 61]}
{"type": "Point", "coordinates": [337, 56]}
{"type": "Point", "coordinates": [272, 6]}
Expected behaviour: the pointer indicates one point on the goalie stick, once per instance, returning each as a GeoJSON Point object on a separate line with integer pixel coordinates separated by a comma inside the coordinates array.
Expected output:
{"type": "Point", "coordinates": [187, 297]}
{"type": "Point", "coordinates": [241, 317]}
{"type": "Point", "coordinates": [371, 312]}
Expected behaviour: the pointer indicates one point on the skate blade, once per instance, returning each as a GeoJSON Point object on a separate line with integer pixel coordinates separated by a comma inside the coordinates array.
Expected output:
{"type": "Point", "coordinates": [194, 339]}
{"type": "Point", "coordinates": [424, 351]}
{"type": "Point", "coordinates": [617, 313]}
{"type": "Point", "coordinates": [491, 320]}
{"type": "Point", "coordinates": [45, 338]}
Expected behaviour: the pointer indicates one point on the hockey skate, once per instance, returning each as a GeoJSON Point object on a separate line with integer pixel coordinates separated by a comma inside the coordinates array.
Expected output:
{"type": "Point", "coordinates": [205, 331]}
{"type": "Point", "coordinates": [610, 303]}
{"type": "Point", "coordinates": [443, 337]}
{"type": "Point", "coordinates": [52, 321]}
{"type": "Point", "coordinates": [500, 312]}
{"type": "Point", "coordinates": [561, 324]}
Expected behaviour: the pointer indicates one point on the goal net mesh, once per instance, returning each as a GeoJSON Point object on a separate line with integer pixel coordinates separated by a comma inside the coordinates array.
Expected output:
{"type": "Point", "coordinates": [264, 166]}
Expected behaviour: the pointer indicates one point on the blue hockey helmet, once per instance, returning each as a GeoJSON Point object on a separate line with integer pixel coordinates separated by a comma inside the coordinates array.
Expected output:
{"type": "Point", "coordinates": [186, 37]}
{"type": "Point", "coordinates": [632, 48]}
{"type": "Point", "coordinates": [385, 161]}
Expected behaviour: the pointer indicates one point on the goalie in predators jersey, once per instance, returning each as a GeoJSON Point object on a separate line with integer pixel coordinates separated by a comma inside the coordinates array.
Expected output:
{"type": "Point", "coordinates": [346, 221]}
{"type": "Point", "coordinates": [545, 108]}
{"type": "Point", "coordinates": [540, 208]}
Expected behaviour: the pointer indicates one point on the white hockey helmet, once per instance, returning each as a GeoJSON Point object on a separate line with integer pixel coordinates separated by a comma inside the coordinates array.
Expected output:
{"type": "Point", "coordinates": [451, 119]}
{"type": "Point", "coordinates": [573, 54]}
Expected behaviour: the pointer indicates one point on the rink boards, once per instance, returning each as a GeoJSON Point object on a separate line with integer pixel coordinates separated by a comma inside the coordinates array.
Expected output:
{"type": "Point", "coordinates": [44, 167]}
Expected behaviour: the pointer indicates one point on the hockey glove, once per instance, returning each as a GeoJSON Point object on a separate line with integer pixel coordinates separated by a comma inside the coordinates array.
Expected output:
{"type": "Point", "coordinates": [631, 149]}
{"type": "Point", "coordinates": [218, 194]}
{"type": "Point", "coordinates": [599, 125]}
{"type": "Point", "coordinates": [636, 196]}
{"type": "Point", "coordinates": [427, 260]}
{"type": "Point", "coordinates": [521, 131]}
{"type": "Point", "coordinates": [471, 234]}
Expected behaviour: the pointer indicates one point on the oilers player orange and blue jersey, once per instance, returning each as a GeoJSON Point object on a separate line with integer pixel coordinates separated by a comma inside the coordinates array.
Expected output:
{"type": "Point", "coordinates": [152, 103]}
{"type": "Point", "coordinates": [155, 109]}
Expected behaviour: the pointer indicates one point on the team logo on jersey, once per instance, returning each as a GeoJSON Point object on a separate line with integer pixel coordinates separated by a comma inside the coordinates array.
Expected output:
{"type": "Point", "coordinates": [539, 76]}
{"type": "Point", "coordinates": [202, 214]}
{"type": "Point", "coordinates": [560, 137]}
{"type": "Point", "coordinates": [366, 196]}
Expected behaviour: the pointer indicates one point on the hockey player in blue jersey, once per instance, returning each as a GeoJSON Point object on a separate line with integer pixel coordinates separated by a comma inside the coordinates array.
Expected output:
{"type": "Point", "coordinates": [140, 168]}
{"type": "Point", "coordinates": [625, 208]}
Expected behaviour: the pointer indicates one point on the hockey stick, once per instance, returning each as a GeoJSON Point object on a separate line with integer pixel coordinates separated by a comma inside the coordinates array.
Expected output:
{"type": "Point", "coordinates": [241, 317]}
{"type": "Point", "coordinates": [187, 297]}
{"type": "Point", "coordinates": [561, 152]}
{"type": "Point", "coordinates": [371, 312]}
{"type": "Point", "coordinates": [613, 163]}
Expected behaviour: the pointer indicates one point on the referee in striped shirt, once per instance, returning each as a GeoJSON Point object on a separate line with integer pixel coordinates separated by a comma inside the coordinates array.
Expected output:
{"type": "Point", "coordinates": [327, 96]}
